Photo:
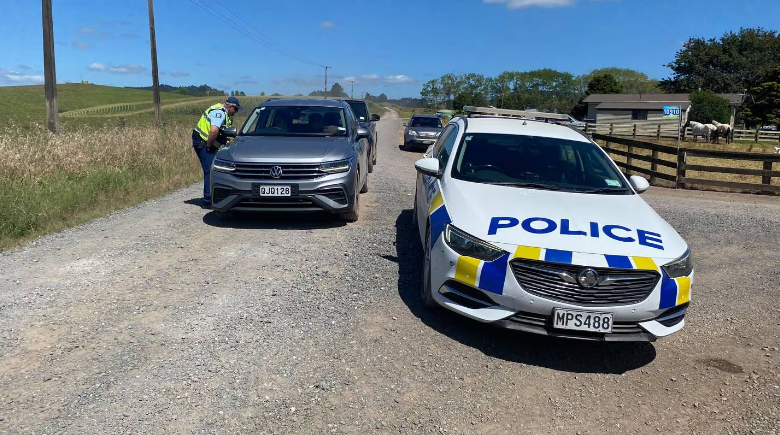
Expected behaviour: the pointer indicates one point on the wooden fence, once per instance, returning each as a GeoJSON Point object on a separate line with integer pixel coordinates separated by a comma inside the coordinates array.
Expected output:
{"type": "Point", "coordinates": [669, 131]}
{"type": "Point", "coordinates": [677, 160]}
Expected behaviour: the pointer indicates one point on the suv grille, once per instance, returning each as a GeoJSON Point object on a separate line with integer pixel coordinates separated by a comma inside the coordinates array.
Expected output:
{"type": "Point", "coordinates": [262, 171]}
{"type": "Point", "coordinates": [546, 280]}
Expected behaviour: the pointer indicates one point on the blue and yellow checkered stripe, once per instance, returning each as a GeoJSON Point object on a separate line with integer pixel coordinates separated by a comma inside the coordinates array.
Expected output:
{"type": "Point", "coordinates": [490, 275]}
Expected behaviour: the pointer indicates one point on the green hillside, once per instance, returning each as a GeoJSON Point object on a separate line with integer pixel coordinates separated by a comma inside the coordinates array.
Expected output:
{"type": "Point", "coordinates": [29, 101]}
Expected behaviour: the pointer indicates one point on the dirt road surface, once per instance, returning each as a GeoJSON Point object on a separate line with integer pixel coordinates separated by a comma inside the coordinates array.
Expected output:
{"type": "Point", "coordinates": [164, 319]}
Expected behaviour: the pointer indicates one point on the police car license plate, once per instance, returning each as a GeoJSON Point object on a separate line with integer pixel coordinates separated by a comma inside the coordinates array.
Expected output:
{"type": "Point", "coordinates": [271, 190]}
{"type": "Point", "coordinates": [582, 320]}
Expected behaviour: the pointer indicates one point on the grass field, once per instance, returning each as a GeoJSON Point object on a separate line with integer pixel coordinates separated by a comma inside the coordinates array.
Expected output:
{"type": "Point", "coordinates": [23, 102]}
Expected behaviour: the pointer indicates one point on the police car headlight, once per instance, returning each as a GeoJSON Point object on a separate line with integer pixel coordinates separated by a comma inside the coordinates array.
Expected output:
{"type": "Point", "coordinates": [337, 166]}
{"type": "Point", "coordinates": [682, 266]}
{"type": "Point", "coordinates": [412, 133]}
{"type": "Point", "coordinates": [224, 165]}
{"type": "Point", "coordinates": [470, 246]}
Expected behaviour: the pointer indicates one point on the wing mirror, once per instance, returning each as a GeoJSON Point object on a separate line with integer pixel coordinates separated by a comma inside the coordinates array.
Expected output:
{"type": "Point", "coordinates": [363, 133]}
{"type": "Point", "coordinates": [231, 131]}
{"type": "Point", "coordinates": [638, 183]}
{"type": "Point", "coordinates": [404, 124]}
{"type": "Point", "coordinates": [429, 167]}
{"type": "Point", "coordinates": [374, 117]}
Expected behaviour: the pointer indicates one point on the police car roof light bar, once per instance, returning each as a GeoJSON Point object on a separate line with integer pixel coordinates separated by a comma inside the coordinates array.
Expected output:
{"type": "Point", "coordinates": [474, 111]}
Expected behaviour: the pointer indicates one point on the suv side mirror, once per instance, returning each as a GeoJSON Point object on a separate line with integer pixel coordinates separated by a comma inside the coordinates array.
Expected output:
{"type": "Point", "coordinates": [374, 117]}
{"type": "Point", "coordinates": [428, 166]}
{"type": "Point", "coordinates": [638, 183]}
{"type": "Point", "coordinates": [231, 131]}
{"type": "Point", "coordinates": [404, 124]}
{"type": "Point", "coordinates": [363, 133]}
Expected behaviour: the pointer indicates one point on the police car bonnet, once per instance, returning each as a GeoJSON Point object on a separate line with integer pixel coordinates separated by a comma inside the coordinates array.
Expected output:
{"type": "Point", "coordinates": [602, 224]}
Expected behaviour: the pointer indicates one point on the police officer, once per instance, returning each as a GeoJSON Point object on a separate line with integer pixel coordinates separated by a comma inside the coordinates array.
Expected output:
{"type": "Point", "coordinates": [205, 138]}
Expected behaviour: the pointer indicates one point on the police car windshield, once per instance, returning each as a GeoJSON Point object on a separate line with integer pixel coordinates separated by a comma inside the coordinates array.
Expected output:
{"type": "Point", "coordinates": [296, 121]}
{"type": "Point", "coordinates": [537, 163]}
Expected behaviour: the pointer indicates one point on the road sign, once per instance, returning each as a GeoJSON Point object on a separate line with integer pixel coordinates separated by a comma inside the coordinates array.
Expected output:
{"type": "Point", "coordinates": [671, 112]}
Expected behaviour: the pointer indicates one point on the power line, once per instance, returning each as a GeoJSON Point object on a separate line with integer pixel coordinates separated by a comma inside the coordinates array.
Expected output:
{"type": "Point", "coordinates": [268, 38]}
{"type": "Point", "coordinates": [274, 46]}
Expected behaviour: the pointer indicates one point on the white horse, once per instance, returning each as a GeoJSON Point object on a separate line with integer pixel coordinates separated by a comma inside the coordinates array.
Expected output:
{"type": "Point", "coordinates": [723, 130]}
{"type": "Point", "coordinates": [699, 129]}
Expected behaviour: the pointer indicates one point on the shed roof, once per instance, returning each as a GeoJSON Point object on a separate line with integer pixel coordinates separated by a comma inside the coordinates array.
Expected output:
{"type": "Point", "coordinates": [734, 99]}
{"type": "Point", "coordinates": [644, 105]}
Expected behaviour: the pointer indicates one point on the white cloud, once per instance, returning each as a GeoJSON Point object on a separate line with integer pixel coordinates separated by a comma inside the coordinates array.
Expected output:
{"type": "Point", "coordinates": [399, 79]}
{"type": "Point", "coordinates": [117, 69]}
{"type": "Point", "coordinates": [16, 78]}
{"type": "Point", "coordinates": [520, 4]}
{"type": "Point", "coordinates": [179, 74]}
{"type": "Point", "coordinates": [84, 45]}
{"type": "Point", "coordinates": [327, 25]}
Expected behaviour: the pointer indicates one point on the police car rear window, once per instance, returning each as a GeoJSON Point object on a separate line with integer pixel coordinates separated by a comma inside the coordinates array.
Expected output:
{"type": "Point", "coordinates": [536, 162]}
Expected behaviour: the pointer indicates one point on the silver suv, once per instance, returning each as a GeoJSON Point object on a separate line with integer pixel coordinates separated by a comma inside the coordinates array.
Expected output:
{"type": "Point", "coordinates": [293, 156]}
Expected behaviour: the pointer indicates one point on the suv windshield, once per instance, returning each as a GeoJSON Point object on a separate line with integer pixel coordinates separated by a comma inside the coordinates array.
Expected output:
{"type": "Point", "coordinates": [425, 122]}
{"type": "Point", "coordinates": [296, 121]}
{"type": "Point", "coordinates": [538, 163]}
{"type": "Point", "coordinates": [360, 109]}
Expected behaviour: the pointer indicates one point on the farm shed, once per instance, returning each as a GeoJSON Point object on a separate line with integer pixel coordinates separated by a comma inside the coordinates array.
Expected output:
{"type": "Point", "coordinates": [644, 108]}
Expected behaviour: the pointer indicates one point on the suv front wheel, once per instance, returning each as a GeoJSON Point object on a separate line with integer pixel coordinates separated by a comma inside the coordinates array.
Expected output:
{"type": "Point", "coordinates": [354, 213]}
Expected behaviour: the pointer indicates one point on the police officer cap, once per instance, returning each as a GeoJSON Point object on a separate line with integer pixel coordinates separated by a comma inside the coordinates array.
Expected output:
{"type": "Point", "coordinates": [234, 102]}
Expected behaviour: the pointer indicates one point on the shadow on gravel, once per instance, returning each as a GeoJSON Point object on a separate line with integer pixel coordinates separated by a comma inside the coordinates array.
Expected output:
{"type": "Point", "coordinates": [195, 201]}
{"type": "Point", "coordinates": [514, 346]}
{"type": "Point", "coordinates": [420, 151]}
{"type": "Point", "coordinates": [274, 221]}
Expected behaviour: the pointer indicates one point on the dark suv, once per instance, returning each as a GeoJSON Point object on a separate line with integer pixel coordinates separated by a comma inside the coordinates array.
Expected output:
{"type": "Point", "coordinates": [367, 120]}
{"type": "Point", "coordinates": [294, 156]}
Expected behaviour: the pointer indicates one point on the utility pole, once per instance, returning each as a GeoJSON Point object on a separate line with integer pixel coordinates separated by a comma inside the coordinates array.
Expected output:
{"type": "Point", "coordinates": [49, 70]}
{"type": "Point", "coordinates": [352, 94]}
{"type": "Point", "coordinates": [155, 77]}
{"type": "Point", "coordinates": [326, 79]}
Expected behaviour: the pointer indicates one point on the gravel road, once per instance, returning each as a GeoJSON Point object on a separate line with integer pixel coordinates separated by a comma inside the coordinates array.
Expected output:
{"type": "Point", "coordinates": [163, 319]}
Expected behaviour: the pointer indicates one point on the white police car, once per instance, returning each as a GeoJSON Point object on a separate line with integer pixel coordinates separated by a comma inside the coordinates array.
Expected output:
{"type": "Point", "coordinates": [530, 225]}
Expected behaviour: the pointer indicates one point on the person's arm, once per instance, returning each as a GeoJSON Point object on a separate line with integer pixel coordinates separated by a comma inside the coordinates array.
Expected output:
{"type": "Point", "coordinates": [216, 118]}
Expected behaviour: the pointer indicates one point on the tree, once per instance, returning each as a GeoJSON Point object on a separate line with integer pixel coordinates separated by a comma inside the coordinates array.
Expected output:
{"type": "Point", "coordinates": [733, 63]}
{"type": "Point", "coordinates": [368, 97]}
{"type": "Point", "coordinates": [243, 94]}
{"type": "Point", "coordinates": [232, 93]}
{"type": "Point", "coordinates": [763, 106]}
{"type": "Point", "coordinates": [382, 98]}
{"type": "Point", "coordinates": [706, 107]}
{"type": "Point", "coordinates": [600, 84]}
{"type": "Point", "coordinates": [632, 82]}
{"type": "Point", "coordinates": [337, 91]}
{"type": "Point", "coordinates": [262, 94]}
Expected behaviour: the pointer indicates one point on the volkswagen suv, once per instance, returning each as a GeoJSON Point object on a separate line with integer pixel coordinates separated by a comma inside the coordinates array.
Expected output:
{"type": "Point", "coordinates": [293, 156]}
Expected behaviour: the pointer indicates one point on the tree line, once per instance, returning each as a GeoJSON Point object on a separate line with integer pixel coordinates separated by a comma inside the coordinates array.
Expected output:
{"type": "Point", "coordinates": [744, 62]}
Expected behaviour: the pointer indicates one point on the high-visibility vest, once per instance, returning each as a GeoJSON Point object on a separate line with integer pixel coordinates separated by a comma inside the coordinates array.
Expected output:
{"type": "Point", "coordinates": [204, 125]}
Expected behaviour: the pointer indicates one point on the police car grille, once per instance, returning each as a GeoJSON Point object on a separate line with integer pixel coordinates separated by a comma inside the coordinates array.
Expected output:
{"type": "Point", "coordinates": [258, 171]}
{"type": "Point", "coordinates": [543, 279]}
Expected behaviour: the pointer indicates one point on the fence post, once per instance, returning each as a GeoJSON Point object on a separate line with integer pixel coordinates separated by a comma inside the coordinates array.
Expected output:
{"type": "Point", "coordinates": [611, 129]}
{"type": "Point", "coordinates": [658, 134]}
{"type": "Point", "coordinates": [634, 133]}
{"type": "Point", "coordinates": [629, 158]}
{"type": "Point", "coordinates": [653, 167]}
{"type": "Point", "coordinates": [680, 168]}
{"type": "Point", "coordinates": [757, 133]}
{"type": "Point", "coordinates": [682, 134]}
{"type": "Point", "coordinates": [767, 179]}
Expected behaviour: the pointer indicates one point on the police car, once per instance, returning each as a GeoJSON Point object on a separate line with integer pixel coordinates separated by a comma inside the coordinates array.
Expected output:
{"type": "Point", "coordinates": [528, 224]}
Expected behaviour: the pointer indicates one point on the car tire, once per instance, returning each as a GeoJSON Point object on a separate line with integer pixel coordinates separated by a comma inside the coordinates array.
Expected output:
{"type": "Point", "coordinates": [371, 161]}
{"type": "Point", "coordinates": [224, 214]}
{"type": "Point", "coordinates": [376, 143]}
{"type": "Point", "coordinates": [364, 189]}
{"type": "Point", "coordinates": [354, 213]}
{"type": "Point", "coordinates": [426, 293]}
{"type": "Point", "coordinates": [406, 146]}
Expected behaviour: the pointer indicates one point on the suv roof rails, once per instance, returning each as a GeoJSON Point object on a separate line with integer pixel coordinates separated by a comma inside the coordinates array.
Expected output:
{"type": "Point", "coordinates": [475, 112]}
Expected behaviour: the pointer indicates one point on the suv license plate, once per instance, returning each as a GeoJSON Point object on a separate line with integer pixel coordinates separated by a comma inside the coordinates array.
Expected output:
{"type": "Point", "coordinates": [582, 320]}
{"type": "Point", "coordinates": [271, 190]}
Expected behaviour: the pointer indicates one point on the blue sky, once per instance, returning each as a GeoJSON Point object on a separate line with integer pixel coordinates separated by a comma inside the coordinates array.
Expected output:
{"type": "Point", "coordinates": [390, 46]}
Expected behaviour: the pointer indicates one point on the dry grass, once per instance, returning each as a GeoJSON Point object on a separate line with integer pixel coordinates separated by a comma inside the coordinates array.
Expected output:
{"type": "Point", "coordinates": [54, 181]}
{"type": "Point", "coordinates": [705, 161]}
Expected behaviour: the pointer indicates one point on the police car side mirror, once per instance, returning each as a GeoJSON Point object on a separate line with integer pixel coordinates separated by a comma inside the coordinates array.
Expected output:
{"type": "Point", "coordinates": [231, 131]}
{"type": "Point", "coordinates": [428, 166]}
{"type": "Point", "coordinates": [404, 124]}
{"type": "Point", "coordinates": [639, 183]}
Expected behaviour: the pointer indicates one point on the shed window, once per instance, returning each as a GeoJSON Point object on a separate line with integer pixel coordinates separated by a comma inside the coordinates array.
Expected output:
{"type": "Point", "coordinates": [639, 115]}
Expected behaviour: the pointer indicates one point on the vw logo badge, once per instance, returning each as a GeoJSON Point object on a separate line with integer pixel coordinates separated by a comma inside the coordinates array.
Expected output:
{"type": "Point", "coordinates": [588, 278]}
{"type": "Point", "coordinates": [276, 172]}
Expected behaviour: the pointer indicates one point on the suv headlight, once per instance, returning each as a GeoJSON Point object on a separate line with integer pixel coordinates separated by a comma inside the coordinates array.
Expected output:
{"type": "Point", "coordinates": [337, 166]}
{"type": "Point", "coordinates": [412, 132]}
{"type": "Point", "coordinates": [465, 244]}
{"type": "Point", "coordinates": [224, 165]}
{"type": "Point", "coordinates": [682, 266]}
